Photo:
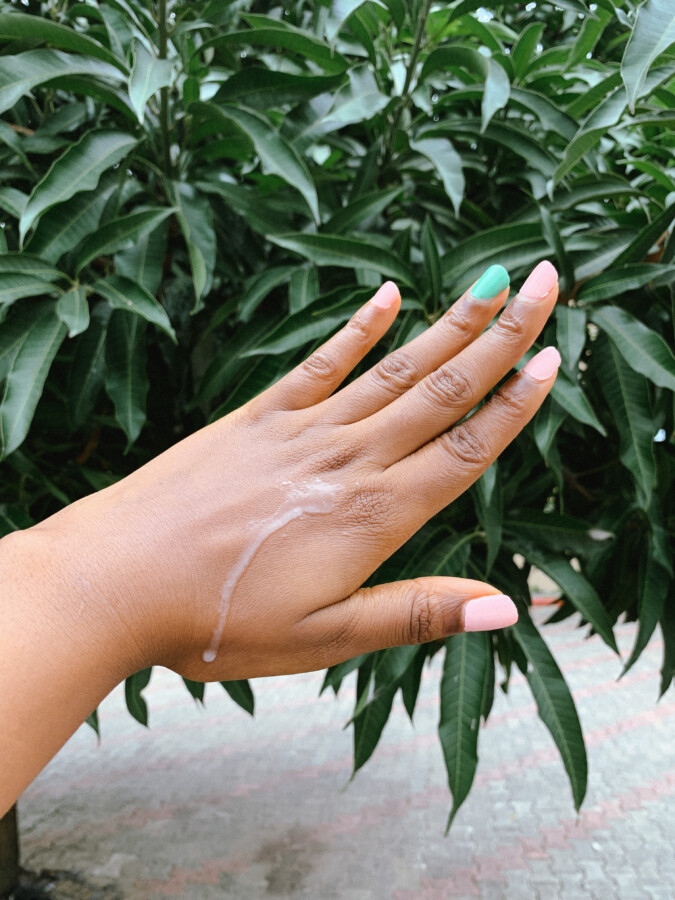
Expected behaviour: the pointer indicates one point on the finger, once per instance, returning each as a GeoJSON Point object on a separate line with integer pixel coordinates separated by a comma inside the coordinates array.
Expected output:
{"type": "Point", "coordinates": [400, 370]}
{"type": "Point", "coordinates": [317, 377]}
{"type": "Point", "coordinates": [448, 393]}
{"type": "Point", "coordinates": [406, 612]}
{"type": "Point", "coordinates": [440, 471]}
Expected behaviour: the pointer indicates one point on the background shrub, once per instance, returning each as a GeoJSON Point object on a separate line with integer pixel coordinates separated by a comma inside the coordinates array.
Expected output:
{"type": "Point", "coordinates": [196, 194]}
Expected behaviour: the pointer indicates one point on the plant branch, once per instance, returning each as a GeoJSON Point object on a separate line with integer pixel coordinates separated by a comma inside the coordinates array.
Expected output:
{"type": "Point", "coordinates": [405, 95]}
{"type": "Point", "coordinates": [164, 93]}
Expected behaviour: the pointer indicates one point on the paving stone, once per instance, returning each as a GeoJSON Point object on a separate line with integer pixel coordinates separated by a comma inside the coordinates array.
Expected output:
{"type": "Point", "coordinates": [211, 803]}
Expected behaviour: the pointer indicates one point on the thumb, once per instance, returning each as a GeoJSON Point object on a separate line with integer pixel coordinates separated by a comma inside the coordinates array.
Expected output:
{"type": "Point", "coordinates": [411, 612]}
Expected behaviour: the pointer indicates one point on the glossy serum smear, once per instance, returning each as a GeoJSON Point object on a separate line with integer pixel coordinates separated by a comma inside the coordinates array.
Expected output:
{"type": "Point", "coordinates": [315, 496]}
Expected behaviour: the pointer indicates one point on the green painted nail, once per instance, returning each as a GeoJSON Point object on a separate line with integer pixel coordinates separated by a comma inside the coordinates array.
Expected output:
{"type": "Point", "coordinates": [490, 283]}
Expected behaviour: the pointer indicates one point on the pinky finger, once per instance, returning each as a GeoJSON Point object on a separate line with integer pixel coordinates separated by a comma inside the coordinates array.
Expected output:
{"type": "Point", "coordinates": [320, 374]}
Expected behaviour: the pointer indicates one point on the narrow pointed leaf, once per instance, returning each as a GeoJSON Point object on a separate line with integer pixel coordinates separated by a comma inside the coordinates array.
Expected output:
{"type": "Point", "coordinates": [196, 222]}
{"type": "Point", "coordinates": [43, 30]}
{"type": "Point", "coordinates": [85, 375]}
{"type": "Point", "coordinates": [570, 336]}
{"type": "Point", "coordinates": [654, 32]}
{"type": "Point", "coordinates": [347, 252]}
{"type": "Point", "coordinates": [122, 293]}
{"type": "Point", "coordinates": [148, 75]}
{"type": "Point", "coordinates": [40, 334]}
{"type": "Point", "coordinates": [119, 234]}
{"type": "Point", "coordinates": [447, 162]}
{"type": "Point", "coordinates": [277, 155]}
{"type": "Point", "coordinates": [126, 380]}
{"type": "Point", "coordinates": [21, 73]}
{"type": "Point", "coordinates": [78, 169]}
{"type": "Point", "coordinates": [554, 703]}
{"type": "Point", "coordinates": [73, 310]}
{"type": "Point", "coordinates": [241, 693]}
{"type": "Point", "coordinates": [627, 395]}
{"type": "Point", "coordinates": [644, 350]}
{"type": "Point", "coordinates": [136, 704]}
{"type": "Point", "coordinates": [462, 689]}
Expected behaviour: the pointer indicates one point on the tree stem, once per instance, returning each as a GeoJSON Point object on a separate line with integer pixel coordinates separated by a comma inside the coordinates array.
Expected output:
{"type": "Point", "coordinates": [164, 93]}
{"type": "Point", "coordinates": [405, 96]}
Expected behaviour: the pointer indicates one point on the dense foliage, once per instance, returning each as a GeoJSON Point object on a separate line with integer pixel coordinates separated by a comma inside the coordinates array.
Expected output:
{"type": "Point", "coordinates": [196, 193]}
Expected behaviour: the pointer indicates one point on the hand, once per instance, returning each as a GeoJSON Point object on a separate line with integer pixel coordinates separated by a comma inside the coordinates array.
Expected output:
{"type": "Point", "coordinates": [240, 551]}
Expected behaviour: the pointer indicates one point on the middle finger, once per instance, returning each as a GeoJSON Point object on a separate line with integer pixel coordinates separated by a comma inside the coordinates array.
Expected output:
{"type": "Point", "coordinates": [450, 392]}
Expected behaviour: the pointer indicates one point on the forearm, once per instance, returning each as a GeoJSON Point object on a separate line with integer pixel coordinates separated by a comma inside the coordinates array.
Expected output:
{"type": "Point", "coordinates": [61, 652]}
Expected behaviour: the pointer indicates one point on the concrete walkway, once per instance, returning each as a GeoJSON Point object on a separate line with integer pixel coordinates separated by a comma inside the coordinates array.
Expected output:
{"type": "Point", "coordinates": [209, 803]}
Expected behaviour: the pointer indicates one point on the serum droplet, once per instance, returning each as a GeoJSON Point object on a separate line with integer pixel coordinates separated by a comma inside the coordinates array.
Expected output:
{"type": "Point", "coordinates": [209, 655]}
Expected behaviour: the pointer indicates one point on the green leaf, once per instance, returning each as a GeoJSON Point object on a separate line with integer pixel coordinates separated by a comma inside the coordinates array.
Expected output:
{"type": "Point", "coordinates": [13, 517]}
{"type": "Point", "coordinates": [627, 396]}
{"type": "Point", "coordinates": [308, 325]}
{"type": "Point", "coordinates": [358, 212]}
{"type": "Point", "coordinates": [557, 531]}
{"type": "Point", "coordinates": [196, 689]}
{"type": "Point", "coordinates": [652, 597]}
{"type": "Point", "coordinates": [570, 336]}
{"type": "Point", "coordinates": [447, 162]}
{"type": "Point", "coordinates": [148, 75]}
{"type": "Point", "coordinates": [92, 722]}
{"type": "Point", "coordinates": [28, 264]}
{"type": "Point", "coordinates": [653, 32]}
{"type": "Point", "coordinates": [347, 252]}
{"type": "Point", "coordinates": [13, 201]}
{"type": "Point", "coordinates": [257, 212]}
{"type": "Point", "coordinates": [73, 310]}
{"type": "Point", "coordinates": [269, 32]}
{"type": "Point", "coordinates": [144, 261]}
{"type": "Point", "coordinates": [580, 591]}
{"type": "Point", "coordinates": [369, 724]}
{"type": "Point", "coordinates": [644, 350]}
{"type": "Point", "coordinates": [265, 89]}
{"type": "Point", "coordinates": [615, 282]}
{"type": "Point", "coordinates": [258, 286]}
{"type": "Point", "coordinates": [40, 30]}
{"type": "Point", "coordinates": [78, 169]}
{"type": "Point", "coordinates": [573, 400]}
{"type": "Point", "coordinates": [524, 48]}
{"type": "Point", "coordinates": [122, 293]}
{"type": "Point", "coordinates": [85, 375]}
{"type": "Point", "coordinates": [546, 423]}
{"type": "Point", "coordinates": [126, 381]}
{"type": "Point", "coordinates": [487, 495]}
{"type": "Point", "coordinates": [67, 225]}
{"type": "Point", "coordinates": [554, 703]}
{"type": "Point", "coordinates": [21, 73]}
{"type": "Point", "coordinates": [277, 155]}
{"type": "Point", "coordinates": [133, 686]}
{"type": "Point", "coordinates": [35, 335]}
{"type": "Point", "coordinates": [196, 222]}
{"type": "Point", "coordinates": [462, 686]}
{"type": "Point", "coordinates": [15, 286]}
{"type": "Point", "coordinates": [303, 289]}
{"type": "Point", "coordinates": [337, 673]}
{"type": "Point", "coordinates": [668, 630]}
{"type": "Point", "coordinates": [496, 94]}
{"type": "Point", "coordinates": [432, 262]}
{"type": "Point", "coordinates": [119, 234]}
{"type": "Point", "coordinates": [241, 693]}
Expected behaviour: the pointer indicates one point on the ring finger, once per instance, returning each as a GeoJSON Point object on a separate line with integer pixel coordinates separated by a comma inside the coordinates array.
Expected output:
{"type": "Point", "coordinates": [448, 393]}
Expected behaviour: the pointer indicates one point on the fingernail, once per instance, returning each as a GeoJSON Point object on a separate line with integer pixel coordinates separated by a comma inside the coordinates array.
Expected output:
{"type": "Point", "coordinates": [487, 613]}
{"type": "Point", "coordinates": [490, 283]}
{"type": "Point", "coordinates": [543, 365]}
{"type": "Point", "coordinates": [386, 296]}
{"type": "Point", "coordinates": [540, 281]}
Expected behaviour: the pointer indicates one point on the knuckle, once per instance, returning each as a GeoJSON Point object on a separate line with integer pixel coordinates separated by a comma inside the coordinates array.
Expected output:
{"type": "Point", "coordinates": [449, 387]}
{"type": "Point", "coordinates": [510, 327]}
{"type": "Point", "coordinates": [511, 402]}
{"type": "Point", "coordinates": [422, 617]}
{"type": "Point", "coordinates": [335, 456]}
{"type": "Point", "coordinates": [466, 445]}
{"type": "Point", "coordinates": [459, 320]}
{"type": "Point", "coordinates": [359, 329]}
{"type": "Point", "coordinates": [321, 365]}
{"type": "Point", "coordinates": [398, 372]}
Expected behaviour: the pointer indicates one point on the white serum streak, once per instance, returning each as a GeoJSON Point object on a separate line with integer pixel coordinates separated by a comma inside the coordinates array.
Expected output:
{"type": "Point", "coordinates": [314, 496]}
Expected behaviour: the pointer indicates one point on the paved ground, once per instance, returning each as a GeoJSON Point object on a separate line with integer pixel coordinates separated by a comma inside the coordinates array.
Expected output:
{"type": "Point", "coordinates": [209, 803]}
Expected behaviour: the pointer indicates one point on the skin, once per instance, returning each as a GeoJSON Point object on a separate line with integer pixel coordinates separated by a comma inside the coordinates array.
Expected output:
{"type": "Point", "coordinates": [131, 576]}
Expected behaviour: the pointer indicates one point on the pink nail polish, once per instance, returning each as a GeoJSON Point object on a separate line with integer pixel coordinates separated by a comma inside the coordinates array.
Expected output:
{"type": "Point", "coordinates": [540, 281]}
{"type": "Point", "coordinates": [487, 613]}
{"type": "Point", "coordinates": [543, 365]}
{"type": "Point", "coordinates": [386, 296]}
